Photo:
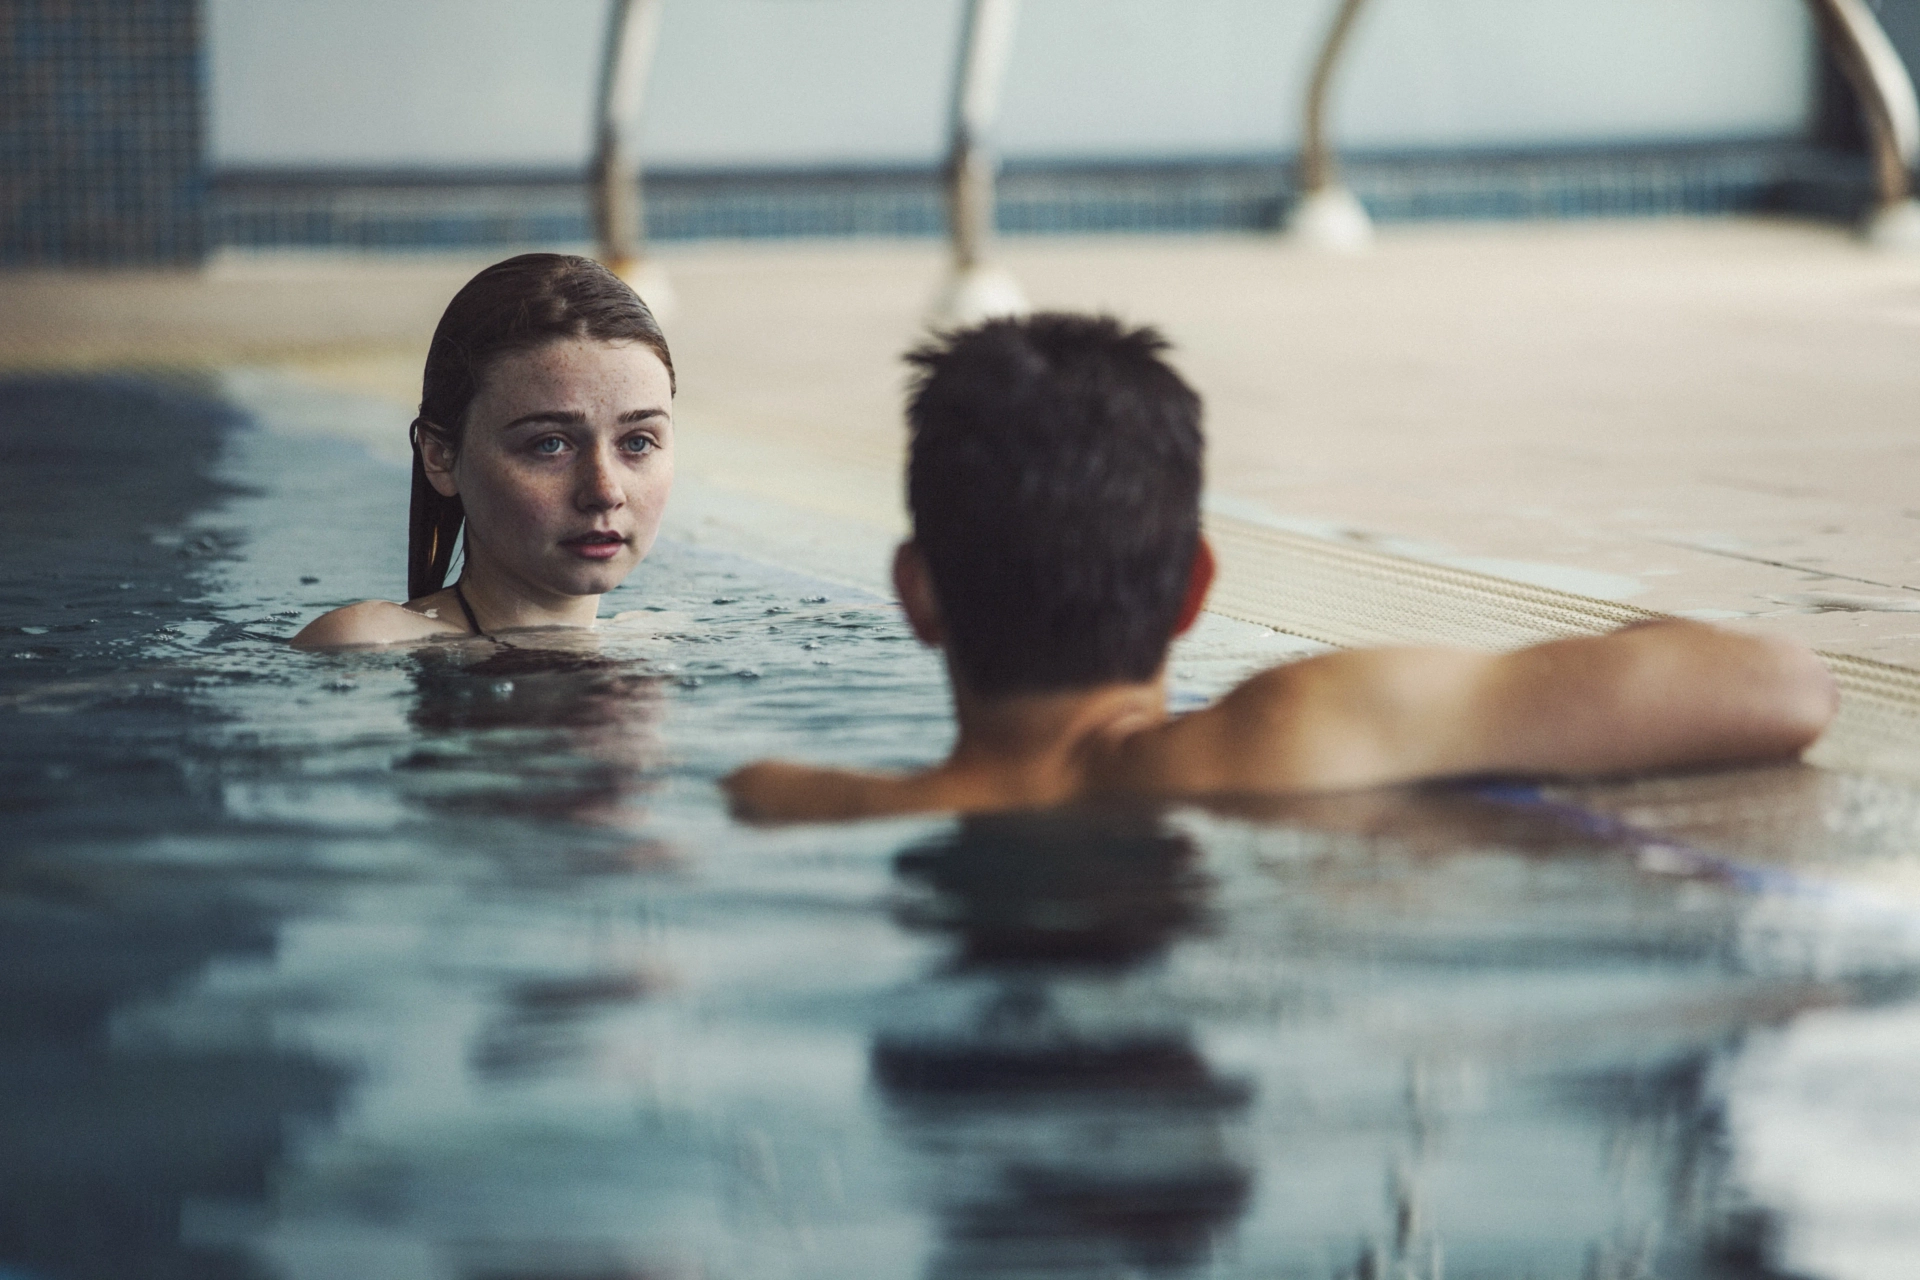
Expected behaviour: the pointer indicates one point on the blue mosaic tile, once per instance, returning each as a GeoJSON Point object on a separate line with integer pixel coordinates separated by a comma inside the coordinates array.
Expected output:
{"type": "Point", "coordinates": [100, 132]}
{"type": "Point", "coordinates": [264, 211]}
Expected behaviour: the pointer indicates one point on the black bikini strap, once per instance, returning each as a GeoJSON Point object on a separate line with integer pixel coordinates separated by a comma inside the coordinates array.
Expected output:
{"type": "Point", "coordinates": [467, 609]}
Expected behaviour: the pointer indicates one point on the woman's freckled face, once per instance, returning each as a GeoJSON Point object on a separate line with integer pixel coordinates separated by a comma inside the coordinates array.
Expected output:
{"type": "Point", "coordinates": [565, 464]}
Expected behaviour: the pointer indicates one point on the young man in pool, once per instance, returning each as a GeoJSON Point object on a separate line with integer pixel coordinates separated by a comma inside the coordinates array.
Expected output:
{"type": "Point", "coordinates": [1054, 483]}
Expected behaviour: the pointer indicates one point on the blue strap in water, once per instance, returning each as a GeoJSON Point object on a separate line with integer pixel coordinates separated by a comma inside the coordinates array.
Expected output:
{"type": "Point", "coordinates": [1657, 852]}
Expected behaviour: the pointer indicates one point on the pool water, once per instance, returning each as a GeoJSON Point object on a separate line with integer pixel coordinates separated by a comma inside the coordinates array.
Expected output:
{"type": "Point", "coordinates": [449, 963]}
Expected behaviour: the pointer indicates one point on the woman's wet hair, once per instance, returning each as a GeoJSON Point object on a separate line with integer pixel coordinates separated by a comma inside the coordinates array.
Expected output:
{"type": "Point", "coordinates": [514, 305]}
{"type": "Point", "coordinates": [1054, 480]}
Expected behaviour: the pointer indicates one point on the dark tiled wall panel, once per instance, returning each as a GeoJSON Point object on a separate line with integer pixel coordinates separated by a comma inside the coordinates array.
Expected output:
{"type": "Point", "coordinates": [100, 132]}
{"type": "Point", "coordinates": [407, 212]}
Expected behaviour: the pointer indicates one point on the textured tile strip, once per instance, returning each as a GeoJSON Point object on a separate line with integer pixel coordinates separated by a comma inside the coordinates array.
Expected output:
{"type": "Point", "coordinates": [1352, 596]}
{"type": "Point", "coordinates": [265, 209]}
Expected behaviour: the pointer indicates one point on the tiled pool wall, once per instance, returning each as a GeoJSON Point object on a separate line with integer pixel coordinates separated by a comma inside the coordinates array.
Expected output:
{"type": "Point", "coordinates": [101, 135]}
{"type": "Point", "coordinates": [413, 211]}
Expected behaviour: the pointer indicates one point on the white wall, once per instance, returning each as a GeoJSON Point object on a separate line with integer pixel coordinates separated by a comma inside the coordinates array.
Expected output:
{"type": "Point", "coordinates": [1229, 75]}
{"type": "Point", "coordinates": [803, 82]}
{"type": "Point", "coordinates": [401, 82]}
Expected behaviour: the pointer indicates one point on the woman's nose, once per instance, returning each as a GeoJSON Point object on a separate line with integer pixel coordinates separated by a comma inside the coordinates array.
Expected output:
{"type": "Point", "coordinates": [600, 488]}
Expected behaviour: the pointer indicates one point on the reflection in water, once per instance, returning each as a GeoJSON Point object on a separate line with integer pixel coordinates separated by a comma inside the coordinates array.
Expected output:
{"type": "Point", "coordinates": [106, 1140]}
{"type": "Point", "coordinates": [541, 733]}
{"type": "Point", "coordinates": [537, 733]}
{"type": "Point", "coordinates": [1561, 1024]}
{"type": "Point", "coordinates": [1068, 1128]}
{"type": "Point", "coordinates": [105, 1144]}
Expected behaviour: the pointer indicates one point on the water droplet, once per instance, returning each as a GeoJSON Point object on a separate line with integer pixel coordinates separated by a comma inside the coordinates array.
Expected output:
{"type": "Point", "coordinates": [813, 599]}
{"type": "Point", "coordinates": [501, 688]}
{"type": "Point", "coordinates": [690, 682]}
{"type": "Point", "coordinates": [747, 673]}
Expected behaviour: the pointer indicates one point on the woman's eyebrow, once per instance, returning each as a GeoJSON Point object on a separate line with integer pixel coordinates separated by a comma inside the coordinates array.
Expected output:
{"type": "Point", "coordinates": [559, 417]}
{"type": "Point", "coordinates": [574, 418]}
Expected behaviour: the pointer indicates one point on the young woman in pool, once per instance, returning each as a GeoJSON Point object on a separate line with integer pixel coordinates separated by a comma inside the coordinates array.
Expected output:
{"type": "Point", "coordinates": [544, 446]}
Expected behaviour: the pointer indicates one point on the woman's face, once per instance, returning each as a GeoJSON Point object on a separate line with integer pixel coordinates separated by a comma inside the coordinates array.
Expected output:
{"type": "Point", "coordinates": [564, 466]}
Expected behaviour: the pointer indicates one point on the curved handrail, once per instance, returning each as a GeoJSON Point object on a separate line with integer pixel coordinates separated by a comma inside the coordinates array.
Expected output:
{"type": "Point", "coordinates": [1866, 56]}
{"type": "Point", "coordinates": [985, 43]}
{"type": "Point", "coordinates": [1326, 214]}
{"type": "Point", "coordinates": [977, 290]}
{"type": "Point", "coordinates": [1880, 81]}
{"type": "Point", "coordinates": [1318, 168]}
{"type": "Point", "coordinates": [633, 28]}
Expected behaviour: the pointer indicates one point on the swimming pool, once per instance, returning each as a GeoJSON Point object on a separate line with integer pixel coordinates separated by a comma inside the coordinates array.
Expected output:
{"type": "Point", "coordinates": [450, 964]}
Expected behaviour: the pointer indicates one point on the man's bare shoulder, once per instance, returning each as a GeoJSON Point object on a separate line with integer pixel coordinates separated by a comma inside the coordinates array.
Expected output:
{"type": "Point", "coordinates": [1326, 723]}
{"type": "Point", "coordinates": [372, 622]}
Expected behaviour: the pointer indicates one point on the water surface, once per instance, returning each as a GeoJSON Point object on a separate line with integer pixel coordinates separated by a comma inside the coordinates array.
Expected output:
{"type": "Point", "coordinates": [449, 963]}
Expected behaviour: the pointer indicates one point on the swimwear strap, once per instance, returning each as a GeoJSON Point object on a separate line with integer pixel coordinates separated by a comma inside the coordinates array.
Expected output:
{"type": "Point", "coordinates": [467, 609]}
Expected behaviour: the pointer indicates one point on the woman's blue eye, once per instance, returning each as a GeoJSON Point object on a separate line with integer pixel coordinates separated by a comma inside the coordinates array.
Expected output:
{"type": "Point", "coordinates": [551, 445]}
{"type": "Point", "coordinates": [637, 444]}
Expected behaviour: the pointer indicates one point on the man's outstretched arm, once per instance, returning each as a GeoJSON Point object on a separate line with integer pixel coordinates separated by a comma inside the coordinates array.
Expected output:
{"type": "Point", "coordinates": [1660, 695]}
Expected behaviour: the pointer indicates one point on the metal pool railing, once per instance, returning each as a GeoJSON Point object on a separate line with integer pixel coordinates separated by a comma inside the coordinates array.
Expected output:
{"type": "Point", "coordinates": [1329, 216]}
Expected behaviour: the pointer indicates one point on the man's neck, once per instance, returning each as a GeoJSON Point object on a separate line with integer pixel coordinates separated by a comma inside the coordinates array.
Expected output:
{"type": "Point", "coordinates": [1044, 748]}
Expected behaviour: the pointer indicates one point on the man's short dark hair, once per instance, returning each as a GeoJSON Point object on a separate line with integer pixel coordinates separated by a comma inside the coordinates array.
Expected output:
{"type": "Point", "coordinates": [1054, 480]}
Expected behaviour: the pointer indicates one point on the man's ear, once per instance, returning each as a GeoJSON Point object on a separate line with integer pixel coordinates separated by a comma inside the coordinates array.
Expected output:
{"type": "Point", "coordinates": [1199, 579]}
{"type": "Point", "coordinates": [436, 458]}
{"type": "Point", "coordinates": [914, 585]}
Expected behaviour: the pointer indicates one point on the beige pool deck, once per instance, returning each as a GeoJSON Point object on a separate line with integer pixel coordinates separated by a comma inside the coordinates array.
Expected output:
{"type": "Point", "coordinates": [1718, 418]}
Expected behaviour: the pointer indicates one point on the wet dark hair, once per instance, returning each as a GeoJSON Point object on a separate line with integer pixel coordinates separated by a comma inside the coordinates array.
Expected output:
{"type": "Point", "coordinates": [1054, 480]}
{"type": "Point", "coordinates": [514, 305]}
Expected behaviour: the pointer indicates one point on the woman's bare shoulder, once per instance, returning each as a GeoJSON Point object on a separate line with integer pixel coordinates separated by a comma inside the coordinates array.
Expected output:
{"type": "Point", "coordinates": [373, 622]}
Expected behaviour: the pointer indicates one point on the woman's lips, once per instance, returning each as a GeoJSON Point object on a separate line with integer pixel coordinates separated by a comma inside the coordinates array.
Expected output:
{"type": "Point", "coordinates": [595, 546]}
